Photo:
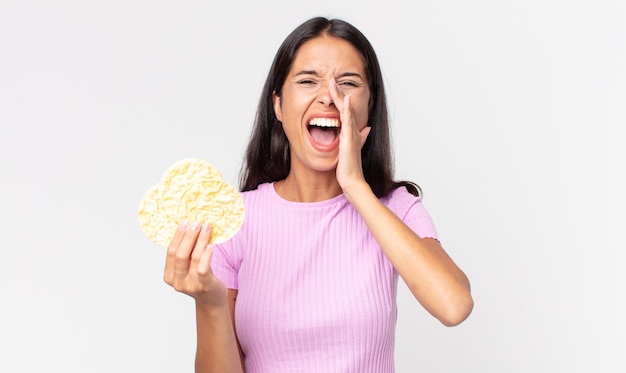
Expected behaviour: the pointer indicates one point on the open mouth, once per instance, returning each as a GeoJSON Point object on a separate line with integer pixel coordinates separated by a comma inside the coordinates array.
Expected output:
{"type": "Point", "coordinates": [324, 131]}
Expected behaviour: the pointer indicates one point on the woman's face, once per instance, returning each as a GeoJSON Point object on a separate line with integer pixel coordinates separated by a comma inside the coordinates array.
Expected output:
{"type": "Point", "coordinates": [309, 117]}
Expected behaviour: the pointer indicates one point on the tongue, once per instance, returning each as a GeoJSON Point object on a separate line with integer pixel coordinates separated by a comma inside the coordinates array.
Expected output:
{"type": "Point", "coordinates": [323, 136]}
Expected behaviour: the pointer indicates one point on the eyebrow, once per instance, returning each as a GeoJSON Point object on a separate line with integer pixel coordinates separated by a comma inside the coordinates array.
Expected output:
{"type": "Point", "coordinates": [343, 75]}
{"type": "Point", "coordinates": [307, 72]}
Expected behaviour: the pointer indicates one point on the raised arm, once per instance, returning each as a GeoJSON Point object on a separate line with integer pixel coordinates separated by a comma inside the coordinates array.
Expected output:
{"type": "Point", "coordinates": [431, 275]}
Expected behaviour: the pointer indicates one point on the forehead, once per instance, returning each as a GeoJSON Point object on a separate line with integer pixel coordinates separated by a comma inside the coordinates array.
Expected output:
{"type": "Point", "coordinates": [328, 53]}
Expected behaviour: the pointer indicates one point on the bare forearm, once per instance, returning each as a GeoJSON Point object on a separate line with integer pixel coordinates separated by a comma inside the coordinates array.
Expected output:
{"type": "Point", "coordinates": [217, 349]}
{"type": "Point", "coordinates": [431, 275]}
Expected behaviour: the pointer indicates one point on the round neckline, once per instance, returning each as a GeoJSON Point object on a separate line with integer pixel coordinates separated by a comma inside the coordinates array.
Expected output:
{"type": "Point", "coordinates": [327, 202]}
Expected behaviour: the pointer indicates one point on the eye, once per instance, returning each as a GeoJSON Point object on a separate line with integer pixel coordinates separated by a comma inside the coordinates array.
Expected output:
{"type": "Point", "coordinates": [306, 82]}
{"type": "Point", "coordinates": [347, 84]}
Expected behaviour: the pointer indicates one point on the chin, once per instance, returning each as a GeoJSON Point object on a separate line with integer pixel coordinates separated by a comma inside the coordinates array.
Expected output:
{"type": "Point", "coordinates": [323, 165]}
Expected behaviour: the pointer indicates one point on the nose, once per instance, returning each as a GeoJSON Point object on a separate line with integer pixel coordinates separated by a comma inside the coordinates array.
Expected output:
{"type": "Point", "coordinates": [323, 95]}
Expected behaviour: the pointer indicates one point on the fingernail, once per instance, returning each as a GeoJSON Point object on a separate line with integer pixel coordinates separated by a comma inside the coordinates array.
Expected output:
{"type": "Point", "coordinates": [183, 225]}
{"type": "Point", "coordinates": [206, 227]}
{"type": "Point", "coordinates": [196, 226]}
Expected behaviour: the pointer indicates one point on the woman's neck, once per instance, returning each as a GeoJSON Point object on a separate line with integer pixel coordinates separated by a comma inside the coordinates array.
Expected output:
{"type": "Point", "coordinates": [308, 187]}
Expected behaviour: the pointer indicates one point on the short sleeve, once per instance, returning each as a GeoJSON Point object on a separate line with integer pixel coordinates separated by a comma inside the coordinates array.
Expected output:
{"type": "Point", "coordinates": [412, 211]}
{"type": "Point", "coordinates": [418, 219]}
{"type": "Point", "coordinates": [225, 263]}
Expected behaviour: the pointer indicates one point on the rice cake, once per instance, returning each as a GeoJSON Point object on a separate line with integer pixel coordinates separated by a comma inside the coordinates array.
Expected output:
{"type": "Point", "coordinates": [193, 190]}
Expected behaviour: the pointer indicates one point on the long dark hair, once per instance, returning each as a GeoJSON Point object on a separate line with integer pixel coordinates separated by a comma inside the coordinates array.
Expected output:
{"type": "Point", "coordinates": [267, 156]}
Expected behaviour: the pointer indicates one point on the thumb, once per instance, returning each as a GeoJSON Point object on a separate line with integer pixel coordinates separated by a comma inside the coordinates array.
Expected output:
{"type": "Point", "coordinates": [364, 133]}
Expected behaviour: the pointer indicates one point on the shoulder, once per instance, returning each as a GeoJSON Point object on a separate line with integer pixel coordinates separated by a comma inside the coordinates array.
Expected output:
{"type": "Point", "coordinates": [412, 211]}
{"type": "Point", "coordinates": [261, 191]}
{"type": "Point", "coordinates": [400, 201]}
{"type": "Point", "coordinates": [261, 188]}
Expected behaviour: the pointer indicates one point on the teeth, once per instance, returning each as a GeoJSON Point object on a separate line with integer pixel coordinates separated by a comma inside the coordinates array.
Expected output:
{"type": "Point", "coordinates": [324, 122]}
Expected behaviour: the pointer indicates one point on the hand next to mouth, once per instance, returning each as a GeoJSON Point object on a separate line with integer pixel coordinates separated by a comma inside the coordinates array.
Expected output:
{"type": "Point", "coordinates": [349, 167]}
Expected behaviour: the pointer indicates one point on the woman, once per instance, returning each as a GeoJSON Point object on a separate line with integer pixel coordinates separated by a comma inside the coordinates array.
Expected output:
{"type": "Point", "coordinates": [309, 282]}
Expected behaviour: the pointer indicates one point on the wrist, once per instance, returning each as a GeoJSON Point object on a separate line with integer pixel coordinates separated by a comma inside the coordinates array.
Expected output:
{"type": "Point", "coordinates": [357, 191]}
{"type": "Point", "coordinates": [211, 309]}
{"type": "Point", "coordinates": [212, 303]}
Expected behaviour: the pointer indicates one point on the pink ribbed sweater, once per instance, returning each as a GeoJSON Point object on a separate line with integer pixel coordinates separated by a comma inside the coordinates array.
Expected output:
{"type": "Point", "coordinates": [315, 291]}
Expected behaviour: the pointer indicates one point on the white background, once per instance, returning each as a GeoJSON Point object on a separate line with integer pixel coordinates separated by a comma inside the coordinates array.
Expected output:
{"type": "Point", "coordinates": [508, 114]}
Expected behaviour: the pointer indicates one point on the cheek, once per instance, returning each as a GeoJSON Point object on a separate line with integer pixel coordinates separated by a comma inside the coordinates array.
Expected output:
{"type": "Point", "coordinates": [362, 115]}
{"type": "Point", "coordinates": [362, 110]}
{"type": "Point", "coordinates": [293, 106]}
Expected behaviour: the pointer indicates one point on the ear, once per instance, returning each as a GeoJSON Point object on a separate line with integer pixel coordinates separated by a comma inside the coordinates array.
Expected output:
{"type": "Point", "coordinates": [276, 103]}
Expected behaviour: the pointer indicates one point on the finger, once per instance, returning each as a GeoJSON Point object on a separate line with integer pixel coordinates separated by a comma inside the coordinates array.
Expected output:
{"type": "Point", "coordinates": [346, 114]}
{"type": "Point", "coordinates": [201, 244]}
{"type": "Point", "coordinates": [342, 103]}
{"type": "Point", "coordinates": [347, 125]}
{"type": "Point", "coordinates": [179, 234]}
{"type": "Point", "coordinates": [183, 254]}
{"type": "Point", "coordinates": [204, 264]}
{"type": "Point", "coordinates": [336, 94]}
{"type": "Point", "coordinates": [171, 251]}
